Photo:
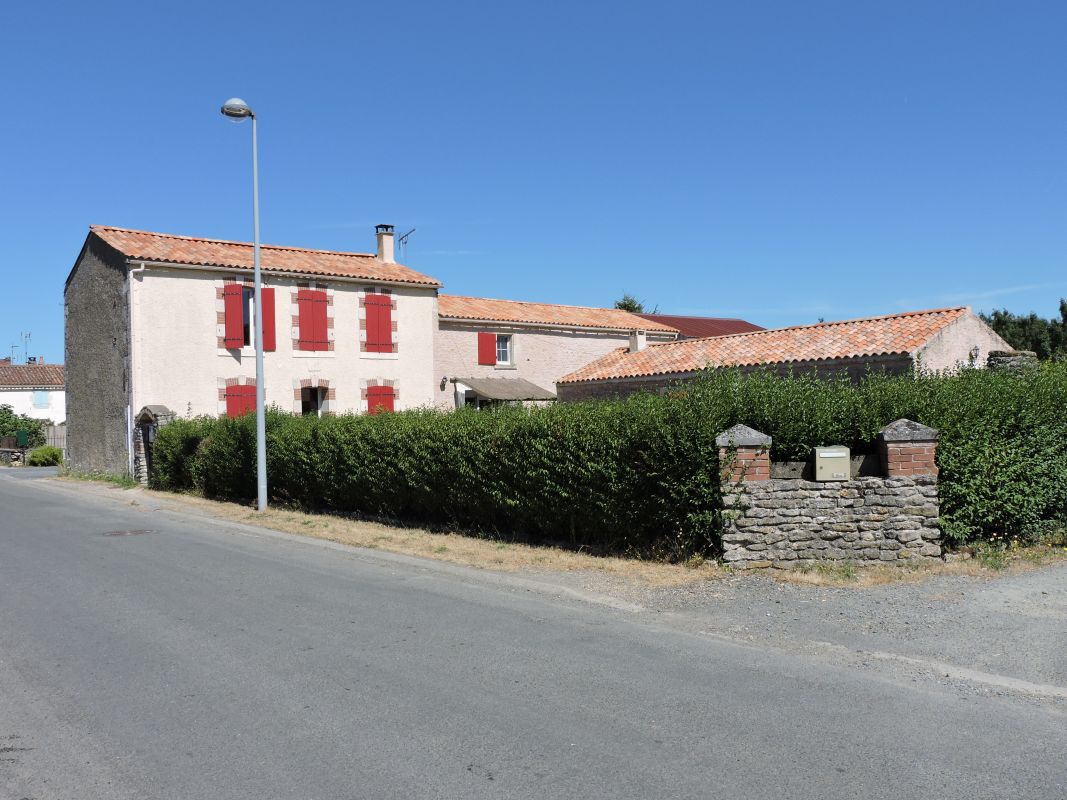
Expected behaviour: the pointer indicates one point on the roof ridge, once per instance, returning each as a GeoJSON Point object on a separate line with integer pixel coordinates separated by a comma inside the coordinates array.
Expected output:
{"type": "Point", "coordinates": [830, 324]}
{"type": "Point", "coordinates": [691, 316]}
{"type": "Point", "coordinates": [537, 303]}
{"type": "Point", "coordinates": [233, 242]}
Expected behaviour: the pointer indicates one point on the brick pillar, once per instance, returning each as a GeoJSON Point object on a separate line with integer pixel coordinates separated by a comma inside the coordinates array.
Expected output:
{"type": "Point", "coordinates": [908, 449]}
{"type": "Point", "coordinates": [745, 454]}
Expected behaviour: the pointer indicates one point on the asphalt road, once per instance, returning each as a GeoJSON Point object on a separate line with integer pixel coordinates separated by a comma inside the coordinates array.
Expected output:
{"type": "Point", "coordinates": [210, 660]}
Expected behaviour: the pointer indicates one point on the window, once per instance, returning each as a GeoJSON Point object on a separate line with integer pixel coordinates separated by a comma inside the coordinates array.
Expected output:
{"type": "Point", "coordinates": [379, 308]}
{"type": "Point", "coordinates": [379, 399]}
{"type": "Point", "coordinates": [503, 349]}
{"type": "Point", "coordinates": [313, 326]}
{"type": "Point", "coordinates": [239, 304]}
{"type": "Point", "coordinates": [40, 399]}
{"type": "Point", "coordinates": [240, 400]}
{"type": "Point", "coordinates": [311, 401]}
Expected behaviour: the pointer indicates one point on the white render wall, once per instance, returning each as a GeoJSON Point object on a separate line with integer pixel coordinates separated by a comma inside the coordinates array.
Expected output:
{"type": "Point", "coordinates": [540, 355]}
{"type": "Point", "coordinates": [21, 402]}
{"type": "Point", "coordinates": [956, 343]}
{"type": "Point", "coordinates": [177, 362]}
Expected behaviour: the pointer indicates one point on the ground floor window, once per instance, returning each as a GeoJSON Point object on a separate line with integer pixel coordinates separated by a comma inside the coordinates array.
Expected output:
{"type": "Point", "coordinates": [380, 399]}
{"type": "Point", "coordinates": [503, 348]}
{"type": "Point", "coordinates": [240, 400]}
{"type": "Point", "coordinates": [312, 400]}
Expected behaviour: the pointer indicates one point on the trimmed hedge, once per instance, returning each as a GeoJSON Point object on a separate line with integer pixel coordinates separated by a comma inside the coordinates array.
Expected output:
{"type": "Point", "coordinates": [638, 476]}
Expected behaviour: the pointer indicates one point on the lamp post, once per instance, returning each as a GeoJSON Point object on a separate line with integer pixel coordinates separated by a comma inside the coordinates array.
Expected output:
{"type": "Point", "coordinates": [237, 109]}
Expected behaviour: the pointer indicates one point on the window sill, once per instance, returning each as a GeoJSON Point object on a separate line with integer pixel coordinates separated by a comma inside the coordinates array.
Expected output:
{"type": "Point", "coordinates": [380, 356]}
{"type": "Point", "coordinates": [314, 353]}
{"type": "Point", "coordinates": [505, 366]}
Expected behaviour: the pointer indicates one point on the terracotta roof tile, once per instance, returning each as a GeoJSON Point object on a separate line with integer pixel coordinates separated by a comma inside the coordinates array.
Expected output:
{"type": "Point", "coordinates": [701, 327]}
{"type": "Point", "coordinates": [173, 249]}
{"type": "Point", "coordinates": [483, 309]}
{"type": "Point", "coordinates": [31, 376]}
{"type": "Point", "coordinates": [872, 336]}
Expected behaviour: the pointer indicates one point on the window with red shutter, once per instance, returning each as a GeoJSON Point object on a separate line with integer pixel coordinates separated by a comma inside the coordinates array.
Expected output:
{"type": "Point", "coordinates": [269, 338]}
{"type": "Point", "coordinates": [379, 399]}
{"type": "Point", "coordinates": [234, 306]}
{"type": "Point", "coordinates": [379, 308]}
{"type": "Point", "coordinates": [487, 348]}
{"type": "Point", "coordinates": [240, 400]}
{"type": "Point", "coordinates": [312, 319]}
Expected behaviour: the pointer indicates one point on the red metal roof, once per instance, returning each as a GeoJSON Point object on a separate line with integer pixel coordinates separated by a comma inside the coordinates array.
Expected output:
{"type": "Point", "coordinates": [701, 327]}
{"type": "Point", "coordinates": [172, 249]}
{"type": "Point", "coordinates": [872, 336]}
{"type": "Point", "coordinates": [450, 306]}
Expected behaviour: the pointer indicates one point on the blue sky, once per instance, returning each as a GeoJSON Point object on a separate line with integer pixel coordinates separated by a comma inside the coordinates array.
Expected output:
{"type": "Point", "coordinates": [775, 161]}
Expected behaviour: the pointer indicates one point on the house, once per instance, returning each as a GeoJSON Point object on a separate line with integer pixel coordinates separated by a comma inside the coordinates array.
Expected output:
{"type": "Point", "coordinates": [490, 351]}
{"type": "Point", "coordinates": [702, 327]}
{"type": "Point", "coordinates": [155, 319]}
{"type": "Point", "coordinates": [34, 389]}
{"type": "Point", "coordinates": [939, 339]}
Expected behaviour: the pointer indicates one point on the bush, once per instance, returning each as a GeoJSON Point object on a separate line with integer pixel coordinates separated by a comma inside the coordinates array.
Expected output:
{"type": "Point", "coordinates": [10, 423]}
{"type": "Point", "coordinates": [45, 457]}
{"type": "Point", "coordinates": [638, 476]}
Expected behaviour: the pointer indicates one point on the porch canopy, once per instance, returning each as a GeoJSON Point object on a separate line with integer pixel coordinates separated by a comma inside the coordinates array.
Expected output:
{"type": "Point", "coordinates": [507, 389]}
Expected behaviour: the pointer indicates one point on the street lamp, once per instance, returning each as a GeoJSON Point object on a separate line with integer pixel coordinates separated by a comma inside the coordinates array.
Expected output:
{"type": "Point", "coordinates": [237, 109]}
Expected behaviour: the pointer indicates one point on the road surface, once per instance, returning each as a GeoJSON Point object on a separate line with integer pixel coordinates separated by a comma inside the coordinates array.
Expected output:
{"type": "Point", "coordinates": [205, 659]}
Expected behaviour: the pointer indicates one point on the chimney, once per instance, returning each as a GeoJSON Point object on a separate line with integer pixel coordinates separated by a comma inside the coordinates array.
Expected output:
{"type": "Point", "coordinates": [385, 243]}
{"type": "Point", "coordinates": [638, 341]}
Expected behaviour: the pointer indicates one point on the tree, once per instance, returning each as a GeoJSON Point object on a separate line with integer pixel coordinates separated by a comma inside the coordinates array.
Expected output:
{"type": "Point", "coordinates": [1046, 337]}
{"type": "Point", "coordinates": [11, 422]}
{"type": "Point", "coordinates": [630, 303]}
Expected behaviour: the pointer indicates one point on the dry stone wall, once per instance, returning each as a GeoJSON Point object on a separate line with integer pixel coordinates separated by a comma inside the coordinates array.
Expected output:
{"type": "Point", "coordinates": [783, 523]}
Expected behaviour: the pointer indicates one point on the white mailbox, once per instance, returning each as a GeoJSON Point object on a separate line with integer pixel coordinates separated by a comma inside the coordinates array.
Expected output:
{"type": "Point", "coordinates": [832, 464]}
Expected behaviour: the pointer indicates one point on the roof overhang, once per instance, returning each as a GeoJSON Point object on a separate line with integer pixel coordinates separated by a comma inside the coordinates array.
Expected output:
{"type": "Point", "coordinates": [505, 388]}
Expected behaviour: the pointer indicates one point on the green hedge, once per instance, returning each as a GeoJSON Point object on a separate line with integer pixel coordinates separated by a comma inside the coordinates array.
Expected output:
{"type": "Point", "coordinates": [638, 476]}
{"type": "Point", "coordinates": [47, 456]}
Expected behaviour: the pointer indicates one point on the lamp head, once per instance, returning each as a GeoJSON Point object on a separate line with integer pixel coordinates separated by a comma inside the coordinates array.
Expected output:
{"type": "Point", "coordinates": [236, 109]}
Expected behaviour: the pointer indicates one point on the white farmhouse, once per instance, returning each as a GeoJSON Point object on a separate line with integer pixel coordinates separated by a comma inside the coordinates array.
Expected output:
{"type": "Point", "coordinates": [33, 390]}
{"type": "Point", "coordinates": [155, 319]}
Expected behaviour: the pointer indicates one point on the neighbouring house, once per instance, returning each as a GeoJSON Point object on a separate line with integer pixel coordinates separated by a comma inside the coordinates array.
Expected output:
{"type": "Point", "coordinates": [702, 327]}
{"type": "Point", "coordinates": [164, 321]}
{"type": "Point", "coordinates": [35, 389]}
{"type": "Point", "coordinates": [494, 351]}
{"type": "Point", "coordinates": [939, 339]}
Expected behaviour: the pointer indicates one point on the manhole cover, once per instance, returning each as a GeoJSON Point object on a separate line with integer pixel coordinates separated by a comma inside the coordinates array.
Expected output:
{"type": "Point", "coordinates": [127, 533]}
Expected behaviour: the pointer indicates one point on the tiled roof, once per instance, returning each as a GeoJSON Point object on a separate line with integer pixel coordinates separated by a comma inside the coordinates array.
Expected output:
{"type": "Point", "coordinates": [873, 336]}
{"type": "Point", "coordinates": [700, 327]}
{"type": "Point", "coordinates": [450, 306]}
{"type": "Point", "coordinates": [172, 249]}
{"type": "Point", "coordinates": [31, 376]}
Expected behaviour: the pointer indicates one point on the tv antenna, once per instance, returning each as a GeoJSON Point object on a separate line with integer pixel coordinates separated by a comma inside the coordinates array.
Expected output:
{"type": "Point", "coordinates": [26, 336]}
{"type": "Point", "coordinates": [402, 242]}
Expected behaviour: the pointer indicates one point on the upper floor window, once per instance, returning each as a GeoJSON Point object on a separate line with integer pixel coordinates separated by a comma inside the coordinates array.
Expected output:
{"type": "Point", "coordinates": [40, 399]}
{"type": "Point", "coordinates": [379, 308]}
{"type": "Point", "coordinates": [312, 320]}
{"type": "Point", "coordinates": [239, 305]}
{"type": "Point", "coordinates": [503, 348]}
{"type": "Point", "coordinates": [495, 349]}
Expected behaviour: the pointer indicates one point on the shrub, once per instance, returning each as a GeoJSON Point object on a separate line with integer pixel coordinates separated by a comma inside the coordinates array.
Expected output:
{"type": "Point", "coordinates": [45, 457]}
{"type": "Point", "coordinates": [639, 476]}
{"type": "Point", "coordinates": [10, 423]}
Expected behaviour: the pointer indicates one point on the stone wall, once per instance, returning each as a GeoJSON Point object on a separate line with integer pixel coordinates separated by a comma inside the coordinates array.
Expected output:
{"type": "Point", "coordinates": [780, 523]}
{"type": "Point", "coordinates": [787, 522]}
{"type": "Point", "coordinates": [97, 345]}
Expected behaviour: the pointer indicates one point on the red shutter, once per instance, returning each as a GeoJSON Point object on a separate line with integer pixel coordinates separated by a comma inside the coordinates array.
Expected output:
{"type": "Point", "coordinates": [486, 348]}
{"type": "Point", "coordinates": [379, 399]}
{"type": "Point", "coordinates": [379, 309]}
{"type": "Point", "coordinates": [233, 302]}
{"type": "Point", "coordinates": [269, 338]}
{"type": "Point", "coordinates": [240, 400]}
{"type": "Point", "coordinates": [312, 305]}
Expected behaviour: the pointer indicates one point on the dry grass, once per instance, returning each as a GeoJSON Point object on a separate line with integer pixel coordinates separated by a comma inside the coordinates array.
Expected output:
{"type": "Point", "coordinates": [848, 574]}
{"type": "Point", "coordinates": [453, 547]}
